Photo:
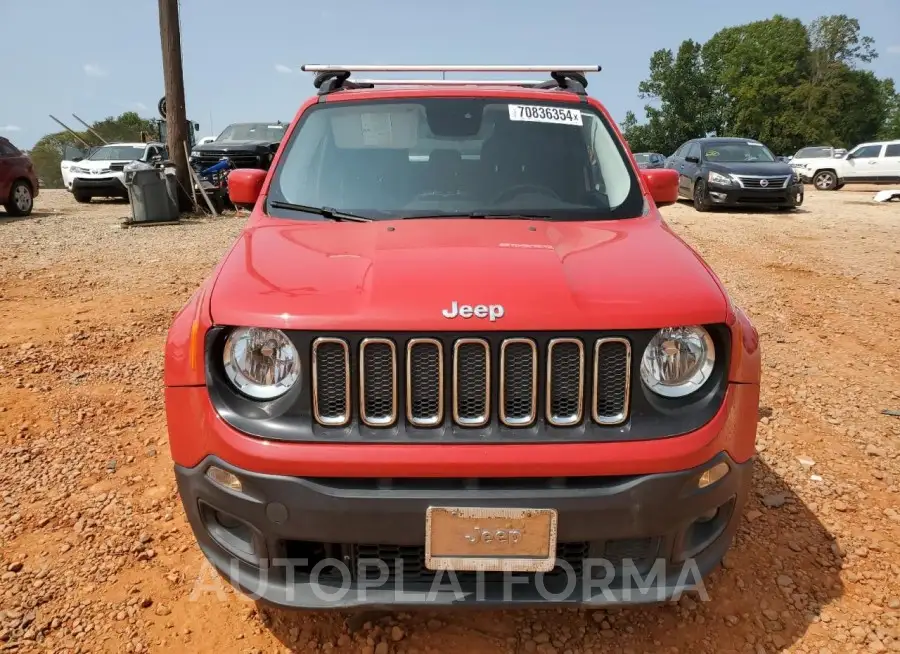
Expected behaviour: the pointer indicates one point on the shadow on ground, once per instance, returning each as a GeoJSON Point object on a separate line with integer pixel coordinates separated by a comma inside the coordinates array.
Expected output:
{"type": "Point", "coordinates": [745, 210]}
{"type": "Point", "coordinates": [780, 573]}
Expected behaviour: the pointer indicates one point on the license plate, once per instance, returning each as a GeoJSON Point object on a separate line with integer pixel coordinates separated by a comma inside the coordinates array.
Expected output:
{"type": "Point", "coordinates": [490, 540]}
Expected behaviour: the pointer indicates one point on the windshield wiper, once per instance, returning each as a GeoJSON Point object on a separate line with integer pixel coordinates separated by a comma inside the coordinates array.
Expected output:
{"type": "Point", "coordinates": [509, 216]}
{"type": "Point", "coordinates": [326, 212]}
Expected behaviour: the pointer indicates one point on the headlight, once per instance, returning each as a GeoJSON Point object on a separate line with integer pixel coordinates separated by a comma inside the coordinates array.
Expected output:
{"type": "Point", "coordinates": [678, 361]}
{"type": "Point", "coordinates": [261, 363]}
{"type": "Point", "coordinates": [76, 169]}
{"type": "Point", "coordinates": [718, 178]}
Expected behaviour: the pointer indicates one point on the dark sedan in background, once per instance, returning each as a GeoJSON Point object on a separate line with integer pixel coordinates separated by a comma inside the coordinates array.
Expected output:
{"type": "Point", "coordinates": [734, 172]}
{"type": "Point", "coordinates": [650, 160]}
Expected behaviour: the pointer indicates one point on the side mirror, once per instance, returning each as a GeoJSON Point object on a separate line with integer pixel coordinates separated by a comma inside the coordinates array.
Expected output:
{"type": "Point", "coordinates": [77, 159]}
{"type": "Point", "coordinates": [245, 185]}
{"type": "Point", "coordinates": [662, 184]}
{"type": "Point", "coordinates": [695, 160]}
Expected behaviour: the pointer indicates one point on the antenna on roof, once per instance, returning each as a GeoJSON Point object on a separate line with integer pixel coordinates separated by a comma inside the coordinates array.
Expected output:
{"type": "Point", "coordinates": [333, 77]}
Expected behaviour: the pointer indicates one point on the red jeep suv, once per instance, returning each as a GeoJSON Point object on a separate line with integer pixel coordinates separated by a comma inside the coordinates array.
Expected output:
{"type": "Point", "coordinates": [18, 180]}
{"type": "Point", "coordinates": [456, 356]}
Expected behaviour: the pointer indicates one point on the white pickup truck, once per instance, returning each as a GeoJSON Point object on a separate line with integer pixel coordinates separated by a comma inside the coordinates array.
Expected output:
{"type": "Point", "coordinates": [877, 162]}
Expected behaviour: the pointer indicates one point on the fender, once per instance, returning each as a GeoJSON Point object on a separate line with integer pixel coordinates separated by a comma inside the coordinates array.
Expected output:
{"type": "Point", "coordinates": [746, 355]}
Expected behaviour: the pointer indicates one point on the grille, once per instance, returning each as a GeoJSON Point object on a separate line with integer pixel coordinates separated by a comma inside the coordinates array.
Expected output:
{"type": "Point", "coordinates": [565, 381]}
{"type": "Point", "coordinates": [518, 381]}
{"type": "Point", "coordinates": [573, 388]}
{"type": "Point", "coordinates": [331, 381]}
{"type": "Point", "coordinates": [240, 160]}
{"type": "Point", "coordinates": [409, 562]}
{"type": "Point", "coordinates": [378, 382]}
{"type": "Point", "coordinates": [406, 563]}
{"type": "Point", "coordinates": [612, 379]}
{"type": "Point", "coordinates": [757, 182]}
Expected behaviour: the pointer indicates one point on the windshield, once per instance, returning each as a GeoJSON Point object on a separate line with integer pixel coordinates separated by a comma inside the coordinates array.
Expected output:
{"type": "Point", "coordinates": [737, 152]}
{"type": "Point", "coordinates": [642, 158]}
{"type": "Point", "coordinates": [814, 153]}
{"type": "Point", "coordinates": [456, 157]}
{"type": "Point", "coordinates": [117, 153]}
{"type": "Point", "coordinates": [252, 132]}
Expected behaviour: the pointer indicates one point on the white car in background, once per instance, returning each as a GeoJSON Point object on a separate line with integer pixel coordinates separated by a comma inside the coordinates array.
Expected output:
{"type": "Point", "coordinates": [877, 162]}
{"type": "Point", "coordinates": [101, 174]}
{"type": "Point", "coordinates": [809, 157]}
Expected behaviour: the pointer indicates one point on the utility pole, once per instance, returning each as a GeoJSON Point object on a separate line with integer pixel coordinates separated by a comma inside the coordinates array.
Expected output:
{"type": "Point", "coordinates": [176, 114]}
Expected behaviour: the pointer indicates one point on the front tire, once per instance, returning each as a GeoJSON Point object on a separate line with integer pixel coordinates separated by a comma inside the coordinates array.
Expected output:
{"type": "Point", "coordinates": [82, 198]}
{"type": "Point", "coordinates": [825, 180]}
{"type": "Point", "coordinates": [701, 200]}
{"type": "Point", "coordinates": [21, 200]}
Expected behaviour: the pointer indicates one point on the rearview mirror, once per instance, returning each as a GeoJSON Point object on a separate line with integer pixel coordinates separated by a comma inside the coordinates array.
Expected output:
{"type": "Point", "coordinates": [245, 185]}
{"type": "Point", "coordinates": [662, 184]}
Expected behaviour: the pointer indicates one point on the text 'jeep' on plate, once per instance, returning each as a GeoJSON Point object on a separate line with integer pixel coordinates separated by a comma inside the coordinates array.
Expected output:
{"type": "Point", "coordinates": [455, 356]}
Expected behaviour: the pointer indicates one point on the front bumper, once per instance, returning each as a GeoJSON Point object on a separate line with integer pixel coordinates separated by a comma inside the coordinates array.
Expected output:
{"type": "Point", "coordinates": [109, 186]}
{"type": "Point", "coordinates": [736, 196]}
{"type": "Point", "coordinates": [316, 542]}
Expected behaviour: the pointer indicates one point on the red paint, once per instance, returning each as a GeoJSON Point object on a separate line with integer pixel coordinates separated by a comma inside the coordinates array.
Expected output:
{"type": "Point", "coordinates": [595, 275]}
{"type": "Point", "coordinates": [399, 275]}
{"type": "Point", "coordinates": [662, 184]}
{"type": "Point", "coordinates": [244, 186]}
{"type": "Point", "coordinates": [733, 430]}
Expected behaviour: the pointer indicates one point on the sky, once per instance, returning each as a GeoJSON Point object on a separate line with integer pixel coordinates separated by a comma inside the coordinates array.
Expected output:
{"type": "Point", "coordinates": [98, 58]}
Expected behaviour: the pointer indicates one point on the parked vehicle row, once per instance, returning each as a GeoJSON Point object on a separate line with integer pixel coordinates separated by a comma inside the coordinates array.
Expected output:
{"type": "Point", "coordinates": [718, 171]}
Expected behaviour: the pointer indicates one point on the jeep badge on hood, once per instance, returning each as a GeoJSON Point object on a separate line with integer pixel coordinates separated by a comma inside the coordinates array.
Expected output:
{"type": "Point", "coordinates": [490, 311]}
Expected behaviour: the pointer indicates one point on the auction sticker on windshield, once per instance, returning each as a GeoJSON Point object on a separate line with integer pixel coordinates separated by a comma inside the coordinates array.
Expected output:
{"type": "Point", "coordinates": [536, 114]}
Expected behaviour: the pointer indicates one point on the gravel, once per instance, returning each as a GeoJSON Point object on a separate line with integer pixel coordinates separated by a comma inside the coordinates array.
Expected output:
{"type": "Point", "coordinates": [95, 553]}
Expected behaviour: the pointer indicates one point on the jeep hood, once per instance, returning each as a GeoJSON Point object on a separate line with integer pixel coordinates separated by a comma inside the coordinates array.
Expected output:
{"type": "Point", "coordinates": [401, 275]}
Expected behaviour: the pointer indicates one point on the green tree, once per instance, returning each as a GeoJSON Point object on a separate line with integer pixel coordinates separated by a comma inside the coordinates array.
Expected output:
{"type": "Point", "coordinates": [757, 69]}
{"type": "Point", "coordinates": [890, 127]}
{"type": "Point", "coordinates": [680, 101]}
{"type": "Point", "coordinates": [784, 83]}
{"type": "Point", "coordinates": [49, 151]}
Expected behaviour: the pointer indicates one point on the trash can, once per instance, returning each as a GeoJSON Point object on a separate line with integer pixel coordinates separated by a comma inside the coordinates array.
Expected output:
{"type": "Point", "coordinates": [150, 194]}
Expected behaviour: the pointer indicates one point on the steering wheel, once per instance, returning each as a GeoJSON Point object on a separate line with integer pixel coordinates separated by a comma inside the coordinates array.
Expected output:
{"type": "Point", "coordinates": [519, 189]}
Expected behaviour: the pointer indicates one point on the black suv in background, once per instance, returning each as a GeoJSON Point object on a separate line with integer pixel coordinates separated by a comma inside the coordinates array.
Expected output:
{"type": "Point", "coordinates": [247, 145]}
{"type": "Point", "coordinates": [734, 172]}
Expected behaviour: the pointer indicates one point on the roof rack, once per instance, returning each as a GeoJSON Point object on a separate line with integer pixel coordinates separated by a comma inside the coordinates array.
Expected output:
{"type": "Point", "coordinates": [333, 77]}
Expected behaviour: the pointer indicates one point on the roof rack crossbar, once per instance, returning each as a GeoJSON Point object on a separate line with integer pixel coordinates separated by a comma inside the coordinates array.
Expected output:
{"type": "Point", "coordinates": [330, 78]}
{"type": "Point", "coordinates": [366, 68]}
{"type": "Point", "coordinates": [447, 82]}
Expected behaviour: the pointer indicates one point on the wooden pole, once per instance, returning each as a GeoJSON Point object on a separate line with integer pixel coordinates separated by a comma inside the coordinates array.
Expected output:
{"type": "Point", "coordinates": [176, 114]}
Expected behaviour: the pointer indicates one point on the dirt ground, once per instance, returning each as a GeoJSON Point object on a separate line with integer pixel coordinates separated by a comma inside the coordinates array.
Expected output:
{"type": "Point", "coordinates": [95, 554]}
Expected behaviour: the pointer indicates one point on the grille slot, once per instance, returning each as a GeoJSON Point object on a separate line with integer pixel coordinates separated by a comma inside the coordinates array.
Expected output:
{"type": "Point", "coordinates": [331, 381]}
{"type": "Point", "coordinates": [425, 382]}
{"type": "Point", "coordinates": [612, 380]}
{"type": "Point", "coordinates": [471, 382]}
{"type": "Point", "coordinates": [378, 382]}
{"type": "Point", "coordinates": [518, 382]}
{"type": "Point", "coordinates": [565, 382]}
